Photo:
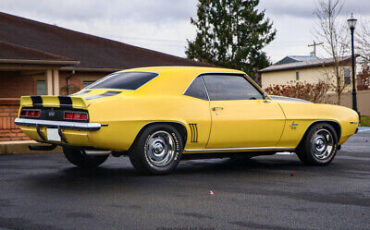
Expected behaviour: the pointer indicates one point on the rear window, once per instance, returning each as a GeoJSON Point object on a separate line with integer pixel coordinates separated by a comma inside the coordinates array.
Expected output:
{"type": "Point", "coordinates": [123, 80]}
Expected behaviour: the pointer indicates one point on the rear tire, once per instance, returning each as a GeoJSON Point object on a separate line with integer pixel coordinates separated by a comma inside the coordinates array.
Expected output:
{"type": "Point", "coordinates": [81, 160]}
{"type": "Point", "coordinates": [319, 145]}
{"type": "Point", "coordinates": [157, 150]}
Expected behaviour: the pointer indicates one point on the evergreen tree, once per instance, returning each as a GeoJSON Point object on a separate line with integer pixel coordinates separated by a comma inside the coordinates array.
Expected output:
{"type": "Point", "coordinates": [231, 33]}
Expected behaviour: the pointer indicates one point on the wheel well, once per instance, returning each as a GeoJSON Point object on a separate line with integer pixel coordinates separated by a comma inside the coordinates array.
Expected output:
{"type": "Point", "coordinates": [178, 126]}
{"type": "Point", "coordinates": [335, 125]}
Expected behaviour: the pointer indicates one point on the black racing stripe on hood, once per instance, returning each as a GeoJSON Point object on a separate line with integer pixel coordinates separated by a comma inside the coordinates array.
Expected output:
{"type": "Point", "coordinates": [65, 102]}
{"type": "Point", "coordinates": [36, 101]}
{"type": "Point", "coordinates": [106, 94]}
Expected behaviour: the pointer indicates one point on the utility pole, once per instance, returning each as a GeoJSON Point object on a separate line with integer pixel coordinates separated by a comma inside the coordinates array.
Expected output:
{"type": "Point", "coordinates": [314, 47]}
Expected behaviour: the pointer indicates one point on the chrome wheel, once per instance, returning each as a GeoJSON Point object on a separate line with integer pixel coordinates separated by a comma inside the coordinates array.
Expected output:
{"type": "Point", "coordinates": [160, 148]}
{"type": "Point", "coordinates": [323, 144]}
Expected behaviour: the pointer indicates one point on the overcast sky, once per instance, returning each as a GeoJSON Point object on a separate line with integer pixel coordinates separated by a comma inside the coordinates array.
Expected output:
{"type": "Point", "coordinates": [163, 25]}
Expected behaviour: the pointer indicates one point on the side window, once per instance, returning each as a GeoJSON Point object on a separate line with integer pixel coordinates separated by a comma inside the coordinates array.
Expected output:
{"type": "Point", "coordinates": [196, 89]}
{"type": "Point", "coordinates": [230, 87]}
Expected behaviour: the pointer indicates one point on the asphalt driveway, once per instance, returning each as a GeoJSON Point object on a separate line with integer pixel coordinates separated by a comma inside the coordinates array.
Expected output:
{"type": "Point", "coordinates": [43, 191]}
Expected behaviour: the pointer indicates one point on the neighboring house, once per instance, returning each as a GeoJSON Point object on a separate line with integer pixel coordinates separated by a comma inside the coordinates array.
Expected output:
{"type": "Point", "coordinates": [42, 59]}
{"type": "Point", "coordinates": [311, 69]}
{"type": "Point", "coordinates": [292, 59]}
{"type": "Point", "coordinates": [308, 69]}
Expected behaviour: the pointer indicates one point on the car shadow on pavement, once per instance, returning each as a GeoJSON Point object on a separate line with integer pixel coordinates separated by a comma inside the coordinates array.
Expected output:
{"type": "Point", "coordinates": [112, 176]}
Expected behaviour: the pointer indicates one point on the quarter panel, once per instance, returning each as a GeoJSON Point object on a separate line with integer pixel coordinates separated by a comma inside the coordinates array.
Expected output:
{"type": "Point", "coordinates": [302, 115]}
{"type": "Point", "coordinates": [126, 115]}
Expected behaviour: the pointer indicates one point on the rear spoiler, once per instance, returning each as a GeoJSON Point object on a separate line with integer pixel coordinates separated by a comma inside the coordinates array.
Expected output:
{"type": "Point", "coordinates": [64, 102]}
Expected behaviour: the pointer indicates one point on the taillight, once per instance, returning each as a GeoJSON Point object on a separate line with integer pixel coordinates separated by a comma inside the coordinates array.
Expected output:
{"type": "Point", "coordinates": [82, 116]}
{"type": "Point", "coordinates": [30, 113]}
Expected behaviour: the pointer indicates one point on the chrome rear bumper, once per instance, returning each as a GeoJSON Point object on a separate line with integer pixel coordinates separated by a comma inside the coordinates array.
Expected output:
{"type": "Point", "coordinates": [58, 124]}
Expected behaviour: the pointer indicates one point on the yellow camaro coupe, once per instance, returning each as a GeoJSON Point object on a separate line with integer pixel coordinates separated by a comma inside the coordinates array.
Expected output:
{"type": "Point", "coordinates": [160, 115]}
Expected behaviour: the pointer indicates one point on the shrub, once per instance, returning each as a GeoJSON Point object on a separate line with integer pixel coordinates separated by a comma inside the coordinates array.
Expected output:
{"type": "Point", "coordinates": [315, 92]}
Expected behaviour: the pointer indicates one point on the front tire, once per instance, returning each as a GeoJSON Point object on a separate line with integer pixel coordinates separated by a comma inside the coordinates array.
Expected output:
{"type": "Point", "coordinates": [81, 160]}
{"type": "Point", "coordinates": [157, 150]}
{"type": "Point", "coordinates": [319, 145]}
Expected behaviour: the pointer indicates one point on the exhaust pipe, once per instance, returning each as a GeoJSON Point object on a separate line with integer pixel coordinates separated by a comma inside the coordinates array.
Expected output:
{"type": "Point", "coordinates": [97, 152]}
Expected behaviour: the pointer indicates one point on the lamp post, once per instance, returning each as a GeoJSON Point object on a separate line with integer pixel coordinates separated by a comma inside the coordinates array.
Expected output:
{"type": "Point", "coordinates": [352, 24]}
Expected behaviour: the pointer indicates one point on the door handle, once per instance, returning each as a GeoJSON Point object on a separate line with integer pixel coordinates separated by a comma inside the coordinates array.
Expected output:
{"type": "Point", "coordinates": [217, 108]}
{"type": "Point", "coordinates": [267, 101]}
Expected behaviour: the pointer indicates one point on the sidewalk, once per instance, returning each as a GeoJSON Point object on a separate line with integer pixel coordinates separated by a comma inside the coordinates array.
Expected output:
{"type": "Point", "coordinates": [364, 129]}
{"type": "Point", "coordinates": [21, 147]}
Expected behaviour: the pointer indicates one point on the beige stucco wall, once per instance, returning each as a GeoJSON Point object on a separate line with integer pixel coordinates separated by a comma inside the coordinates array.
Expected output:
{"type": "Point", "coordinates": [313, 75]}
{"type": "Point", "coordinates": [309, 75]}
{"type": "Point", "coordinates": [363, 101]}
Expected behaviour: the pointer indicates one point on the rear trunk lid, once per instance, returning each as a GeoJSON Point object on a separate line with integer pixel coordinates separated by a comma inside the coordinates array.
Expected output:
{"type": "Point", "coordinates": [63, 102]}
{"type": "Point", "coordinates": [79, 100]}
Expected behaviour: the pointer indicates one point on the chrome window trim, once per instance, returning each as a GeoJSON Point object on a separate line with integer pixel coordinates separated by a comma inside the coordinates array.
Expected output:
{"type": "Point", "coordinates": [61, 124]}
{"type": "Point", "coordinates": [209, 73]}
{"type": "Point", "coordinates": [204, 85]}
{"type": "Point", "coordinates": [238, 149]}
{"type": "Point", "coordinates": [244, 75]}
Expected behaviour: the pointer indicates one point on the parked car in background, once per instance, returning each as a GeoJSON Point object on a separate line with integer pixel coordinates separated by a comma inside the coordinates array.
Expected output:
{"type": "Point", "coordinates": [160, 115]}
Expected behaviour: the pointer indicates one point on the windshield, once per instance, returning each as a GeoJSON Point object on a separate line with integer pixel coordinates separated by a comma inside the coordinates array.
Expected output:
{"type": "Point", "coordinates": [123, 80]}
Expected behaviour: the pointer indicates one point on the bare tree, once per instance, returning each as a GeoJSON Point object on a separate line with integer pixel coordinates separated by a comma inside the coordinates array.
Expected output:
{"type": "Point", "coordinates": [363, 40]}
{"type": "Point", "coordinates": [333, 33]}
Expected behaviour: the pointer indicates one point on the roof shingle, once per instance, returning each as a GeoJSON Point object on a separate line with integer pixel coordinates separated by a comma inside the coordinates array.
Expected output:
{"type": "Point", "coordinates": [303, 64]}
{"type": "Point", "coordinates": [13, 51]}
{"type": "Point", "coordinates": [92, 51]}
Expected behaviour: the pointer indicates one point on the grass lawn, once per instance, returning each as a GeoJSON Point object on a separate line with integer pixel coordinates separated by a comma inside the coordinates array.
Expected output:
{"type": "Point", "coordinates": [365, 121]}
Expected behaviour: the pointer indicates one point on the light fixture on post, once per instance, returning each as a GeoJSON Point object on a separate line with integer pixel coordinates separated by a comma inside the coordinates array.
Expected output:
{"type": "Point", "coordinates": [352, 25]}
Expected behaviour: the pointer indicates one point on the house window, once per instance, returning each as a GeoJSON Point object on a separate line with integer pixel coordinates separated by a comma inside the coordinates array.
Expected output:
{"type": "Point", "coordinates": [347, 76]}
{"type": "Point", "coordinates": [87, 83]}
{"type": "Point", "coordinates": [297, 76]}
{"type": "Point", "coordinates": [41, 87]}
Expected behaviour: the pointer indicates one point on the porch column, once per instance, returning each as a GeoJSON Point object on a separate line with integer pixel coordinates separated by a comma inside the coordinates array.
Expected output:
{"type": "Point", "coordinates": [56, 82]}
{"type": "Point", "coordinates": [49, 81]}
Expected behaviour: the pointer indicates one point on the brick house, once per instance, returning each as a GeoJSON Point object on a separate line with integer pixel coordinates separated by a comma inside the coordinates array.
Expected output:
{"type": "Point", "coordinates": [42, 59]}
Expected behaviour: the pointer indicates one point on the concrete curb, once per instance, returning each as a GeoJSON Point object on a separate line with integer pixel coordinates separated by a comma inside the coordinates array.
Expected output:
{"type": "Point", "coordinates": [364, 129]}
{"type": "Point", "coordinates": [21, 147]}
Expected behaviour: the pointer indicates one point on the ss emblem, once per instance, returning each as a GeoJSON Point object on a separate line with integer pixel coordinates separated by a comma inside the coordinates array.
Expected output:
{"type": "Point", "coordinates": [51, 113]}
